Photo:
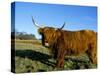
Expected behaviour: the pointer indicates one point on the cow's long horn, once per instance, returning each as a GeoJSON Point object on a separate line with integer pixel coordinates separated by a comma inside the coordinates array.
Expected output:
{"type": "Point", "coordinates": [36, 23]}
{"type": "Point", "coordinates": [63, 25]}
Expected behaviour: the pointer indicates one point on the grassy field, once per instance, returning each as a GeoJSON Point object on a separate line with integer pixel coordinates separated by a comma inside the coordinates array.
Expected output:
{"type": "Point", "coordinates": [31, 56]}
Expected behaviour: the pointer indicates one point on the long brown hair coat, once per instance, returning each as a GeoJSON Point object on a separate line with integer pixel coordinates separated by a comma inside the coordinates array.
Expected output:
{"type": "Point", "coordinates": [63, 43]}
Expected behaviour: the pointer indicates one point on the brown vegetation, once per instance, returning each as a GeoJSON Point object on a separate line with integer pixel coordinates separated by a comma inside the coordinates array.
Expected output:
{"type": "Point", "coordinates": [37, 42]}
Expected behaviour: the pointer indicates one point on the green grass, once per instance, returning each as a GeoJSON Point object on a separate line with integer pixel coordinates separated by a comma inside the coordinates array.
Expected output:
{"type": "Point", "coordinates": [32, 57]}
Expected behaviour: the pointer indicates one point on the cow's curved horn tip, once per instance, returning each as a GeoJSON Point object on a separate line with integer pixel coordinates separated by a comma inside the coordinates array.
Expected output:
{"type": "Point", "coordinates": [64, 22]}
{"type": "Point", "coordinates": [31, 16]}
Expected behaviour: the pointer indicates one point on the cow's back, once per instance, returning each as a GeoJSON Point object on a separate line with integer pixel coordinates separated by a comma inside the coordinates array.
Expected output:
{"type": "Point", "coordinates": [77, 42]}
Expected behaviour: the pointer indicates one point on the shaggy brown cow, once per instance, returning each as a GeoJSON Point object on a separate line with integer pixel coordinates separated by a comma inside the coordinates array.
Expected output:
{"type": "Point", "coordinates": [63, 42]}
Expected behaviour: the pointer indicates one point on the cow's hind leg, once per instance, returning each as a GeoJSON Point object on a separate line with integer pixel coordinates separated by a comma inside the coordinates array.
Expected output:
{"type": "Point", "coordinates": [92, 53]}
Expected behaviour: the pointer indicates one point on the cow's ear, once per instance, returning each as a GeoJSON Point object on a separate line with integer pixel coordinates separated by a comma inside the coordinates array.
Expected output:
{"type": "Point", "coordinates": [40, 30]}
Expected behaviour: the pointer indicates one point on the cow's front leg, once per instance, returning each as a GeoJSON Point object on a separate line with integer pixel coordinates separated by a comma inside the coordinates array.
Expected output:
{"type": "Point", "coordinates": [60, 63]}
{"type": "Point", "coordinates": [60, 59]}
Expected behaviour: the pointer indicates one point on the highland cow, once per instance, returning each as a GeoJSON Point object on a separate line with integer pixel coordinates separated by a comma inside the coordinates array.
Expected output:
{"type": "Point", "coordinates": [63, 42]}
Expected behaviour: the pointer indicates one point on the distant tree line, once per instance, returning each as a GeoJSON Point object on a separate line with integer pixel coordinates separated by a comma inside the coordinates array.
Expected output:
{"type": "Point", "coordinates": [22, 36]}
